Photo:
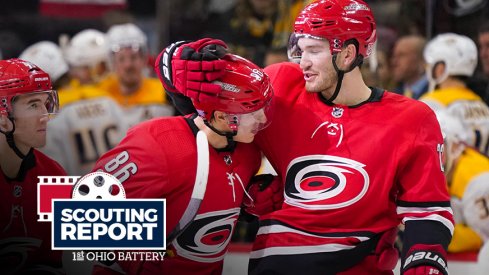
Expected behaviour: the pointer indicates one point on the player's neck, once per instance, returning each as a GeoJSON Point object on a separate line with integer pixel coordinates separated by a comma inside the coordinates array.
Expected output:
{"type": "Point", "coordinates": [9, 161]}
{"type": "Point", "coordinates": [353, 90]}
{"type": "Point", "coordinates": [215, 140]}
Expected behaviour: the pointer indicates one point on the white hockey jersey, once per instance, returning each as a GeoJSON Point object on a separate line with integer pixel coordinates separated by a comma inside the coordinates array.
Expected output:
{"type": "Point", "coordinates": [469, 189]}
{"type": "Point", "coordinates": [466, 105]}
{"type": "Point", "coordinates": [148, 101]}
{"type": "Point", "coordinates": [139, 113]}
{"type": "Point", "coordinates": [83, 131]}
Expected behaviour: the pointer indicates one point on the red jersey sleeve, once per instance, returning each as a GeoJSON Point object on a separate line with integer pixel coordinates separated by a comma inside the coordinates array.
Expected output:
{"type": "Point", "coordinates": [421, 173]}
{"type": "Point", "coordinates": [423, 201]}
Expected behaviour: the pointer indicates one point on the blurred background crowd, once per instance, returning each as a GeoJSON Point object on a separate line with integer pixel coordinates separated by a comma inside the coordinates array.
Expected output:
{"type": "Point", "coordinates": [100, 55]}
{"type": "Point", "coordinates": [256, 29]}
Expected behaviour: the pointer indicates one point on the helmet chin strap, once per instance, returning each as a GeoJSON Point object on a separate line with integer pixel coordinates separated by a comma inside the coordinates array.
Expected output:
{"type": "Point", "coordinates": [341, 73]}
{"type": "Point", "coordinates": [10, 140]}
{"type": "Point", "coordinates": [229, 137]}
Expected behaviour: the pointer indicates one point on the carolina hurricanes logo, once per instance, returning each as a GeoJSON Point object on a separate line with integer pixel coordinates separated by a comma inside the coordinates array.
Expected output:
{"type": "Point", "coordinates": [207, 238]}
{"type": "Point", "coordinates": [325, 182]}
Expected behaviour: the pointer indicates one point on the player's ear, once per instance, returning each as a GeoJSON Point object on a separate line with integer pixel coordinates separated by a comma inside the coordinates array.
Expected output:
{"type": "Point", "coordinates": [220, 121]}
{"type": "Point", "coordinates": [350, 54]}
{"type": "Point", "coordinates": [220, 116]}
{"type": "Point", "coordinates": [5, 123]}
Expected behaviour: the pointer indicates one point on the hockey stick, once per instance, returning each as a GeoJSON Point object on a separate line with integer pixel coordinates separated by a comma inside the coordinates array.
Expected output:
{"type": "Point", "coordinates": [199, 187]}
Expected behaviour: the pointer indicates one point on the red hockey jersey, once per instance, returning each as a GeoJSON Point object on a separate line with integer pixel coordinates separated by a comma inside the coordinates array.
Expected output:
{"type": "Point", "coordinates": [159, 158]}
{"type": "Point", "coordinates": [25, 243]}
{"type": "Point", "coordinates": [351, 172]}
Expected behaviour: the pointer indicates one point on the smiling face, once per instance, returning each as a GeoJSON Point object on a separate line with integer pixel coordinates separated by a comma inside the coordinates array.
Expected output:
{"type": "Point", "coordinates": [316, 64]}
{"type": "Point", "coordinates": [30, 117]}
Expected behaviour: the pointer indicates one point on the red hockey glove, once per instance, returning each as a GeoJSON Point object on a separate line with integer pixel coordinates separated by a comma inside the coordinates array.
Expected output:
{"type": "Point", "coordinates": [386, 252]}
{"type": "Point", "coordinates": [424, 259]}
{"type": "Point", "coordinates": [188, 68]}
{"type": "Point", "coordinates": [266, 191]}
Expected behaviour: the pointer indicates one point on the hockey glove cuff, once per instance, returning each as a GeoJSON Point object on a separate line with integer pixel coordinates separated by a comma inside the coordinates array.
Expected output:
{"type": "Point", "coordinates": [423, 259]}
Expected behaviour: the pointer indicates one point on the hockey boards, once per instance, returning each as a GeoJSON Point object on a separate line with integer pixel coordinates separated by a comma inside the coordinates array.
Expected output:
{"type": "Point", "coordinates": [199, 188]}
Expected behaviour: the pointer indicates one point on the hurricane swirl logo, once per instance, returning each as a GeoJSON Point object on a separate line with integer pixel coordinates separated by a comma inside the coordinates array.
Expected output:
{"type": "Point", "coordinates": [323, 182]}
{"type": "Point", "coordinates": [206, 239]}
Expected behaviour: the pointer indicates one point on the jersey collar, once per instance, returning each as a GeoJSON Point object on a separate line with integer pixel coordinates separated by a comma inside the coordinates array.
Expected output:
{"type": "Point", "coordinates": [375, 96]}
{"type": "Point", "coordinates": [27, 163]}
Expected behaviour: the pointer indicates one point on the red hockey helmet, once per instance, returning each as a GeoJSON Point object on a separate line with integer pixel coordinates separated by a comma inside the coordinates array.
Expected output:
{"type": "Point", "coordinates": [19, 77]}
{"type": "Point", "coordinates": [245, 89]}
{"type": "Point", "coordinates": [337, 21]}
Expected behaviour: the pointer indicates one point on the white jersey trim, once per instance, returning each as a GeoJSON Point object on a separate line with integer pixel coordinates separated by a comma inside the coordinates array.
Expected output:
{"type": "Point", "coordinates": [271, 229]}
{"type": "Point", "coordinates": [404, 210]}
{"type": "Point", "coordinates": [434, 217]}
{"type": "Point", "coordinates": [291, 250]}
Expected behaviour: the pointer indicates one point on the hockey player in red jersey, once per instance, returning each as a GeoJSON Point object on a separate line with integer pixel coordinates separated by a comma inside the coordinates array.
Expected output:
{"type": "Point", "coordinates": [355, 160]}
{"type": "Point", "coordinates": [157, 159]}
{"type": "Point", "coordinates": [26, 102]}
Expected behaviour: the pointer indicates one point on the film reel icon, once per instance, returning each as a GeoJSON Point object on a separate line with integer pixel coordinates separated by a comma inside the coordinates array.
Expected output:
{"type": "Point", "coordinates": [98, 185]}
